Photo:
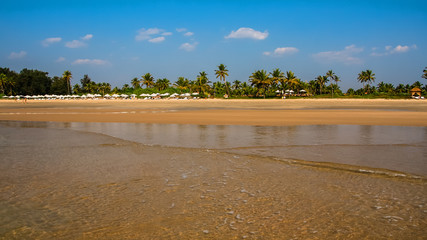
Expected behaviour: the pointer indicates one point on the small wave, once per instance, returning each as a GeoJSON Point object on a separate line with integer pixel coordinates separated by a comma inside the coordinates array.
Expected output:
{"type": "Point", "coordinates": [355, 169]}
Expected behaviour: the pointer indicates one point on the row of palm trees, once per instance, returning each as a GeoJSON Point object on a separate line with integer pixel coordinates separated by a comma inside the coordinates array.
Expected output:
{"type": "Point", "coordinates": [261, 84]}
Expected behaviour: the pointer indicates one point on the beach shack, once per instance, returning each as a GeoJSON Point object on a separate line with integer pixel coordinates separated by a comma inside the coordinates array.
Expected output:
{"type": "Point", "coordinates": [415, 92]}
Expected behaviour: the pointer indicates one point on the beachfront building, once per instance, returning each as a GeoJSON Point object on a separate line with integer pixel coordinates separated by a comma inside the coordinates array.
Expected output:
{"type": "Point", "coordinates": [415, 92]}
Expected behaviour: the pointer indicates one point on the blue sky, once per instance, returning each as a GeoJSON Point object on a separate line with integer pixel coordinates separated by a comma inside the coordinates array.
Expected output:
{"type": "Point", "coordinates": [115, 41]}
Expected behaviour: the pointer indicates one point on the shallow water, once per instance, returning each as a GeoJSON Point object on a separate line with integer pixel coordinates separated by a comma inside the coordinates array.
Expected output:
{"type": "Point", "coordinates": [65, 180]}
{"type": "Point", "coordinates": [397, 148]}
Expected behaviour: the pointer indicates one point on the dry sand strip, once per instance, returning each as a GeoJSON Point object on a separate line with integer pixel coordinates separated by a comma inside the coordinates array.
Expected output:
{"type": "Point", "coordinates": [224, 112]}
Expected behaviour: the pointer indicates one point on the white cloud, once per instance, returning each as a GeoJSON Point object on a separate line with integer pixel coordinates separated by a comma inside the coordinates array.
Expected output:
{"type": "Point", "coordinates": [391, 50]}
{"type": "Point", "coordinates": [75, 44]}
{"type": "Point", "coordinates": [49, 41]}
{"type": "Point", "coordinates": [91, 61]}
{"type": "Point", "coordinates": [181, 29]}
{"type": "Point", "coordinates": [188, 46]}
{"type": "Point", "coordinates": [248, 33]}
{"type": "Point", "coordinates": [153, 35]}
{"type": "Point", "coordinates": [188, 34]}
{"type": "Point", "coordinates": [60, 59]}
{"type": "Point", "coordinates": [144, 34]}
{"type": "Point", "coordinates": [14, 55]}
{"type": "Point", "coordinates": [282, 51]}
{"type": "Point", "coordinates": [157, 39]}
{"type": "Point", "coordinates": [87, 37]}
{"type": "Point", "coordinates": [345, 56]}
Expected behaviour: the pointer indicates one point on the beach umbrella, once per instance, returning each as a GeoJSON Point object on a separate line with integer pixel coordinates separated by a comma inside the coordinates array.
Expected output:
{"type": "Point", "coordinates": [291, 91]}
{"type": "Point", "coordinates": [303, 91]}
{"type": "Point", "coordinates": [153, 95]}
{"type": "Point", "coordinates": [5, 96]}
{"type": "Point", "coordinates": [195, 94]}
{"type": "Point", "coordinates": [187, 94]}
{"type": "Point", "coordinates": [124, 95]}
{"type": "Point", "coordinates": [12, 96]}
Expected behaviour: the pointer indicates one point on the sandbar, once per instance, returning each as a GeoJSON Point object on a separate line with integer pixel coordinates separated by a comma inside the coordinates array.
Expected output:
{"type": "Point", "coordinates": [270, 112]}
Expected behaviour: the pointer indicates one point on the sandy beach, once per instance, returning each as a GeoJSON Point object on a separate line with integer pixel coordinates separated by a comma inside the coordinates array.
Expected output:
{"type": "Point", "coordinates": [276, 112]}
{"type": "Point", "coordinates": [213, 169]}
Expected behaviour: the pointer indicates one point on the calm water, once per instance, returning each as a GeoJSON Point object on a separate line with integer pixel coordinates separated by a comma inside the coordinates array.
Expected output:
{"type": "Point", "coordinates": [154, 181]}
{"type": "Point", "coordinates": [397, 148]}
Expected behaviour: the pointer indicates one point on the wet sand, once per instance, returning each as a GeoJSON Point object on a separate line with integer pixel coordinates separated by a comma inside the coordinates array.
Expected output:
{"type": "Point", "coordinates": [277, 112]}
{"type": "Point", "coordinates": [65, 184]}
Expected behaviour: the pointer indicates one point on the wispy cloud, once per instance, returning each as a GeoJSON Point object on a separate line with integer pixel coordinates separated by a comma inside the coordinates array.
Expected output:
{"type": "Point", "coordinates": [181, 29]}
{"type": "Point", "coordinates": [17, 55]}
{"type": "Point", "coordinates": [60, 59]}
{"type": "Point", "coordinates": [392, 50]}
{"type": "Point", "coordinates": [75, 44]}
{"type": "Point", "coordinates": [91, 62]}
{"type": "Point", "coordinates": [346, 56]}
{"type": "Point", "coordinates": [157, 39]}
{"type": "Point", "coordinates": [188, 34]}
{"type": "Point", "coordinates": [87, 37]}
{"type": "Point", "coordinates": [247, 33]}
{"type": "Point", "coordinates": [188, 46]}
{"type": "Point", "coordinates": [79, 43]}
{"type": "Point", "coordinates": [153, 35]}
{"type": "Point", "coordinates": [49, 41]}
{"type": "Point", "coordinates": [281, 51]}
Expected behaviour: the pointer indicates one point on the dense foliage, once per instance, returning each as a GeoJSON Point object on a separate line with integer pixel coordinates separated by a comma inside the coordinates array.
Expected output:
{"type": "Point", "coordinates": [261, 84]}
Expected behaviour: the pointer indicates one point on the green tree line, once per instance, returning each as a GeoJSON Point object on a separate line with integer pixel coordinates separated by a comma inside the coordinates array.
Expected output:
{"type": "Point", "coordinates": [260, 84]}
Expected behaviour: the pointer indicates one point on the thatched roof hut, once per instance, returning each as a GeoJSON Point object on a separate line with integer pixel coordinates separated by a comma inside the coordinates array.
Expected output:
{"type": "Point", "coordinates": [415, 92]}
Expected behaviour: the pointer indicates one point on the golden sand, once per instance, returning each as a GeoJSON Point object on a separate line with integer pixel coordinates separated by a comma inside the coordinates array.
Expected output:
{"type": "Point", "coordinates": [277, 112]}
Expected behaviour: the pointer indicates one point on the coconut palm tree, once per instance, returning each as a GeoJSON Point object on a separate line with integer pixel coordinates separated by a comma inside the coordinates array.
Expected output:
{"type": "Point", "coordinates": [291, 80]}
{"type": "Point", "coordinates": [148, 80]}
{"type": "Point", "coordinates": [332, 77]}
{"type": "Point", "coordinates": [3, 80]}
{"type": "Point", "coordinates": [162, 84]}
{"type": "Point", "coordinates": [261, 80]}
{"type": "Point", "coordinates": [366, 77]}
{"type": "Point", "coordinates": [220, 73]}
{"type": "Point", "coordinates": [425, 73]}
{"type": "Point", "coordinates": [202, 81]}
{"type": "Point", "coordinates": [104, 87]}
{"type": "Point", "coordinates": [321, 81]}
{"type": "Point", "coordinates": [277, 77]}
{"type": "Point", "coordinates": [67, 76]}
{"type": "Point", "coordinates": [135, 83]}
{"type": "Point", "coordinates": [182, 83]}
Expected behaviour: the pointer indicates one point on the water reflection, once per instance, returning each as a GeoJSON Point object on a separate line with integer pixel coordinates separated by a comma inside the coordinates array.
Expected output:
{"type": "Point", "coordinates": [392, 147]}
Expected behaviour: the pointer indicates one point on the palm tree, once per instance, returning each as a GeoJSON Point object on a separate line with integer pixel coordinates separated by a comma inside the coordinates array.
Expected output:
{"type": "Point", "coordinates": [425, 73]}
{"type": "Point", "coordinates": [321, 81]}
{"type": "Point", "coordinates": [291, 80]}
{"type": "Point", "coordinates": [3, 80]}
{"type": "Point", "coordinates": [366, 77]}
{"type": "Point", "coordinates": [182, 83]}
{"type": "Point", "coordinates": [221, 73]}
{"type": "Point", "coordinates": [148, 80]}
{"type": "Point", "coordinates": [104, 87]}
{"type": "Point", "coordinates": [369, 76]}
{"type": "Point", "coordinates": [332, 77]}
{"type": "Point", "coordinates": [261, 80]}
{"type": "Point", "coordinates": [277, 77]}
{"type": "Point", "coordinates": [202, 82]}
{"type": "Point", "coordinates": [162, 84]}
{"type": "Point", "coordinates": [85, 80]}
{"type": "Point", "coordinates": [67, 76]}
{"type": "Point", "coordinates": [135, 83]}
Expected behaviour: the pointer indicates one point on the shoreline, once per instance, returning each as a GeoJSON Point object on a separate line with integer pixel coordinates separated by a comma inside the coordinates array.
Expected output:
{"type": "Point", "coordinates": [270, 112]}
